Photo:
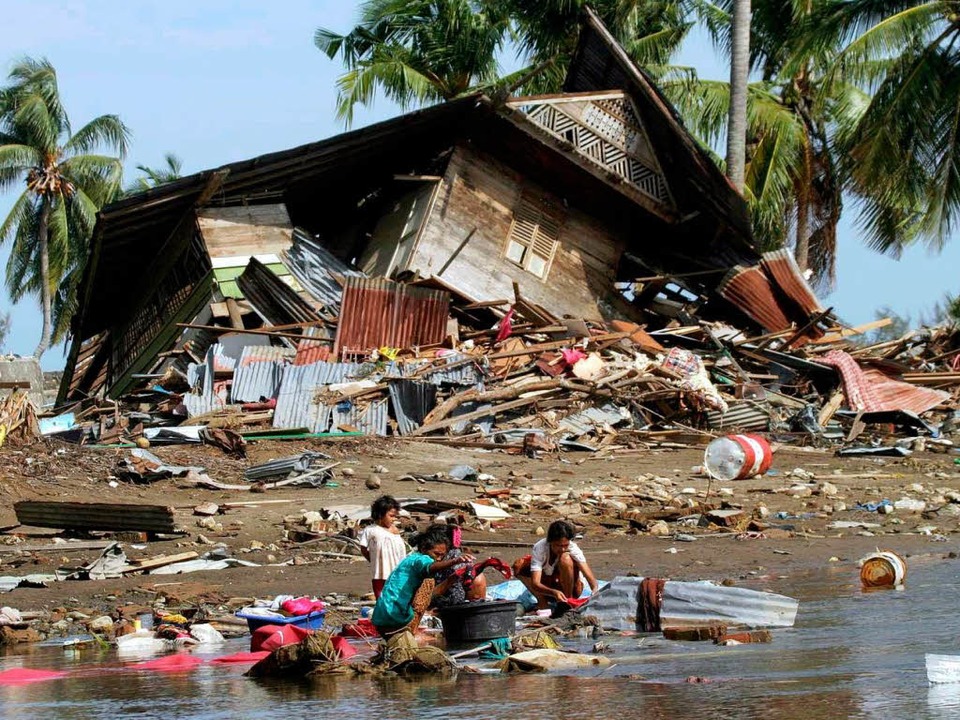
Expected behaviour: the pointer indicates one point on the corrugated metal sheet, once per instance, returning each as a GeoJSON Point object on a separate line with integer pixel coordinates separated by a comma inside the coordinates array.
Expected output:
{"type": "Point", "coordinates": [781, 266]}
{"type": "Point", "coordinates": [369, 419]}
{"type": "Point", "coordinates": [259, 372]}
{"type": "Point", "coordinates": [284, 466]}
{"type": "Point", "coordinates": [411, 402]}
{"type": "Point", "coordinates": [296, 399]}
{"type": "Point", "coordinates": [870, 390]}
{"type": "Point", "coordinates": [201, 404]}
{"type": "Point", "coordinates": [272, 298]}
{"type": "Point", "coordinates": [316, 269]}
{"type": "Point", "coordinates": [310, 351]}
{"type": "Point", "coordinates": [692, 603]}
{"type": "Point", "coordinates": [698, 603]}
{"type": "Point", "coordinates": [741, 416]}
{"type": "Point", "coordinates": [590, 418]}
{"type": "Point", "coordinates": [376, 312]}
{"type": "Point", "coordinates": [751, 291]}
{"type": "Point", "coordinates": [257, 381]}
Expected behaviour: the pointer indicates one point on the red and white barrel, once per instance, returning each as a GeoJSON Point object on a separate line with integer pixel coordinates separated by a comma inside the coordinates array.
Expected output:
{"type": "Point", "coordinates": [735, 457]}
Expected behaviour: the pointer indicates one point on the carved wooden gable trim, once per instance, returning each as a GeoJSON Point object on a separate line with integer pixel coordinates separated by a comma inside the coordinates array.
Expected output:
{"type": "Point", "coordinates": [606, 129]}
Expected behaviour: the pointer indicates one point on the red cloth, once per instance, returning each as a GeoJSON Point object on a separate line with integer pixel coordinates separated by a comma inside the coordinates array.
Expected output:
{"type": "Point", "coordinates": [302, 606]}
{"type": "Point", "coordinates": [170, 663]}
{"type": "Point", "coordinates": [271, 637]}
{"type": "Point", "coordinates": [343, 647]}
{"type": "Point", "coordinates": [22, 676]}
{"type": "Point", "coordinates": [362, 628]}
{"type": "Point", "coordinates": [506, 326]}
{"type": "Point", "coordinates": [496, 564]}
{"type": "Point", "coordinates": [241, 657]}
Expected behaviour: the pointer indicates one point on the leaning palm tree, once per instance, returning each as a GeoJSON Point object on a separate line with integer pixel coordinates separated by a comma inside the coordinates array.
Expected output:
{"type": "Point", "coordinates": [798, 112]}
{"type": "Point", "coordinates": [904, 154]}
{"type": "Point", "coordinates": [64, 184]}
{"type": "Point", "coordinates": [416, 51]}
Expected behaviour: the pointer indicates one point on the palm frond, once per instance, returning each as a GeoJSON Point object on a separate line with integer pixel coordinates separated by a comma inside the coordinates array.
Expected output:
{"type": "Point", "coordinates": [106, 131]}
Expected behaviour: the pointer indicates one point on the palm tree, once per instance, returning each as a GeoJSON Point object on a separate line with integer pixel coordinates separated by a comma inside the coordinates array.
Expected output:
{"type": "Point", "coordinates": [650, 32]}
{"type": "Point", "coordinates": [65, 185]}
{"type": "Point", "coordinates": [798, 115]}
{"type": "Point", "coordinates": [739, 77]}
{"type": "Point", "coordinates": [904, 154]}
{"type": "Point", "coordinates": [152, 177]}
{"type": "Point", "coordinates": [416, 51]}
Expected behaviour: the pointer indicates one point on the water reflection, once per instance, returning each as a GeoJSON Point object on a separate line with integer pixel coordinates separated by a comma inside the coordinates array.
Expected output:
{"type": "Point", "coordinates": [851, 655]}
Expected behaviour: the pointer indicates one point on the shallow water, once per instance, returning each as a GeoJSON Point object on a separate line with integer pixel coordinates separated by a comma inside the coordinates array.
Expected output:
{"type": "Point", "coordinates": [851, 654]}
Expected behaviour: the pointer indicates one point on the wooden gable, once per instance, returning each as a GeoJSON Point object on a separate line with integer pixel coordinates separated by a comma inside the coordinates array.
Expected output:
{"type": "Point", "coordinates": [606, 129]}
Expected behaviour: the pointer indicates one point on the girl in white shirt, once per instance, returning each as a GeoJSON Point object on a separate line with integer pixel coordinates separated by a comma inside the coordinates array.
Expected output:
{"type": "Point", "coordinates": [381, 542]}
{"type": "Point", "coordinates": [556, 568]}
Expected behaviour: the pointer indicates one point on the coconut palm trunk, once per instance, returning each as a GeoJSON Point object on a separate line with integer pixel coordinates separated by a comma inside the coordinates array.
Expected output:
{"type": "Point", "coordinates": [739, 75]}
{"type": "Point", "coordinates": [46, 305]}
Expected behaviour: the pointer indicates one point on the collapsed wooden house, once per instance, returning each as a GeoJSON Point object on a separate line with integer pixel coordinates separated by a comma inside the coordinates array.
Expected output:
{"type": "Point", "coordinates": [558, 202]}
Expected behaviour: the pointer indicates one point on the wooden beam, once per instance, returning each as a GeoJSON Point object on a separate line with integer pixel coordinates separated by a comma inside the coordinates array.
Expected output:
{"type": "Point", "coordinates": [268, 333]}
{"type": "Point", "coordinates": [475, 415]}
{"type": "Point", "coordinates": [157, 562]}
{"type": "Point", "coordinates": [850, 332]}
{"type": "Point", "coordinates": [96, 516]}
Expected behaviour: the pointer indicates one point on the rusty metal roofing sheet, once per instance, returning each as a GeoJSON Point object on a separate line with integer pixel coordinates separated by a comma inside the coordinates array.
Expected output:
{"type": "Point", "coordinates": [309, 350]}
{"type": "Point", "coordinates": [316, 269]}
{"type": "Point", "coordinates": [871, 390]}
{"type": "Point", "coordinates": [411, 402]}
{"type": "Point", "coordinates": [750, 289]}
{"type": "Point", "coordinates": [376, 312]}
{"type": "Point", "coordinates": [781, 266]}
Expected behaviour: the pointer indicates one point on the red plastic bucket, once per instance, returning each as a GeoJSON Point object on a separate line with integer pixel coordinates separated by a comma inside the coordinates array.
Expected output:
{"type": "Point", "coordinates": [734, 457]}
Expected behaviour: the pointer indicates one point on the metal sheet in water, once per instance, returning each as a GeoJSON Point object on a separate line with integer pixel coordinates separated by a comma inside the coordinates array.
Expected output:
{"type": "Point", "coordinates": [693, 603]}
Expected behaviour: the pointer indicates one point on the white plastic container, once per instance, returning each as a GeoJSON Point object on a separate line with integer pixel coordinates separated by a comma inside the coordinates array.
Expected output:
{"type": "Point", "coordinates": [735, 457]}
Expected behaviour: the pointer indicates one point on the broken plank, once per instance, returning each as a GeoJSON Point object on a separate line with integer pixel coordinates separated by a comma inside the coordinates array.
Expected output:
{"type": "Point", "coordinates": [475, 415]}
{"type": "Point", "coordinates": [58, 547]}
{"type": "Point", "coordinates": [158, 562]}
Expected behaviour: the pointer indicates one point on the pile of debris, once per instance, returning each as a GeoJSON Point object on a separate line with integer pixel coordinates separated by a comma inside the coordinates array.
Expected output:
{"type": "Point", "coordinates": [511, 375]}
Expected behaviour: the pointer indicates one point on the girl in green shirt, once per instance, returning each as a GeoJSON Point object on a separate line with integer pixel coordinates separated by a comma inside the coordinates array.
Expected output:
{"type": "Point", "coordinates": [410, 587]}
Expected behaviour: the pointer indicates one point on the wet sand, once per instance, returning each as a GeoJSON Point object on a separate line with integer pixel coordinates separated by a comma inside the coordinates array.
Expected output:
{"type": "Point", "coordinates": [797, 543]}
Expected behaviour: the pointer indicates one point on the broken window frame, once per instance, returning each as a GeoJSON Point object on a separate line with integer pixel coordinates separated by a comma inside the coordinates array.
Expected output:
{"type": "Point", "coordinates": [534, 236]}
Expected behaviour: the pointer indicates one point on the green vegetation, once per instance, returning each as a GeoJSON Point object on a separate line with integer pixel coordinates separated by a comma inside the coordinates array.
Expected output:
{"type": "Point", "coordinates": [849, 97]}
{"type": "Point", "coordinates": [64, 183]}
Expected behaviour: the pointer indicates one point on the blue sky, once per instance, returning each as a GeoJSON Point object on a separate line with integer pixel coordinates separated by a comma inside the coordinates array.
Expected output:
{"type": "Point", "coordinates": [217, 81]}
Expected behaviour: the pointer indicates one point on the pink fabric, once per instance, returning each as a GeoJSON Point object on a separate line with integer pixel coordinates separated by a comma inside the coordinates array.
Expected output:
{"type": "Point", "coordinates": [506, 326]}
{"type": "Point", "coordinates": [22, 676]}
{"type": "Point", "coordinates": [302, 606]}
{"type": "Point", "coordinates": [870, 390]}
{"type": "Point", "coordinates": [571, 356]}
{"type": "Point", "coordinates": [271, 637]}
{"type": "Point", "coordinates": [170, 663]}
{"type": "Point", "coordinates": [241, 657]}
{"type": "Point", "coordinates": [457, 537]}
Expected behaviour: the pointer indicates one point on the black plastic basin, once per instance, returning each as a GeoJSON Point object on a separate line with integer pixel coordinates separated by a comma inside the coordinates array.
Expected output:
{"type": "Point", "coordinates": [476, 621]}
